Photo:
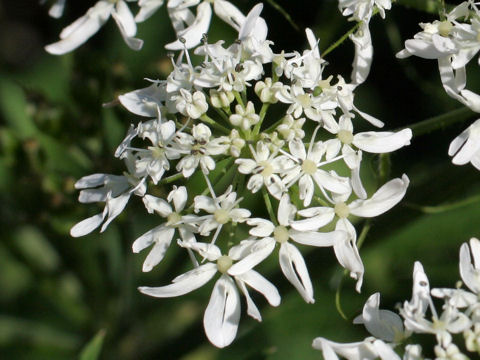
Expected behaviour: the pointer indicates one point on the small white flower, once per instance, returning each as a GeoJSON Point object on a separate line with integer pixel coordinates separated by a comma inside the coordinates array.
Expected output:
{"type": "Point", "coordinates": [291, 260]}
{"type": "Point", "coordinates": [264, 169]}
{"type": "Point", "coordinates": [222, 314]}
{"type": "Point", "coordinates": [222, 209]}
{"type": "Point", "coordinates": [244, 117]}
{"type": "Point", "coordinates": [192, 105]}
{"type": "Point", "coordinates": [383, 324]}
{"type": "Point", "coordinates": [114, 190]}
{"type": "Point", "coordinates": [161, 236]}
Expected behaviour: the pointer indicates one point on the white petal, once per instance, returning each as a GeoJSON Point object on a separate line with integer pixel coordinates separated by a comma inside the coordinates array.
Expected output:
{"type": "Point", "coordinates": [382, 324]}
{"type": "Point", "coordinates": [179, 196]}
{"type": "Point", "coordinates": [188, 282]}
{"type": "Point", "coordinates": [252, 309]}
{"type": "Point", "coordinates": [126, 19]}
{"type": "Point", "coordinates": [147, 9]}
{"type": "Point", "coordinates": [153, 203]}
{"type": "Point", "coordinates": [261, 228]}
{"type": "Point", "coordinates": [223, 313]}
{"type": "Point", "coordinates": [382, 142]}
{"type": "Point", "coordinates": [158, 250]}
{"type": "Point", "coordinates": [144, 102]}
{"type": "Point", "coordinates": [250, 21]}
{"type": "Point", "coordinates": [286, 210]}
{"type": "Point", "coordinates": [194, 33]}
{"type": "Point", "coordinates": [86, 226]}
{"type": "Point", "coordinates": [132, 42]}
{"type": "Point", "coordinates": [383, 200]}
{"type": "Point", "coordinates": [319, 217]}
{"type": "Point", "coordinates": [259, 252]}
{"type": "Point", "coordinates": [315, 238]}
{"type": "Point", "coordinates": [81, 30]}
{"type": "Point", "coordinates": [229, 13]}
{"type": "Point", "coordinates": [262, 285]}
{"type": "Point", "coordinates": [347, 254]}
{"type": "Point", "coordinates": [363, 54]}
{"type": "Point", "coordinates": [468, 270]}
{"type": "Point", "coordinates": [294, 268]}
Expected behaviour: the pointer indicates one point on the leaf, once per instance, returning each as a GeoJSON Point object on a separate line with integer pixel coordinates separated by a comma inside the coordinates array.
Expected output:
{"type": "Point", "coordinates": [13, 105]}
{"type": "Point", "coordinates": [91, 351]}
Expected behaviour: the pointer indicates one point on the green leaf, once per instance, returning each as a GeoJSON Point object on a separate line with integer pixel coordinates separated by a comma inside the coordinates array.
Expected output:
{"type": "Point", "coordinates": [13, 106]}
{"type": "Point", "coordinates": [91, 351]}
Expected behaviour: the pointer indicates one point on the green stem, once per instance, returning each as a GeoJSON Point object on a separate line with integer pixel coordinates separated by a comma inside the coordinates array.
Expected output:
{"type": "Point", "coordinates": [341, 40]}
{"type": "Point", "coordinates": [238, 97]}
{"type": "Point", "coordinates": [363, 234]}
{"type": "Point", "coordinates": [441, 121]}
{"type": "Point", "coordinates": [171, 179]}
{"type": "Point", "coordinates": [285, 14]}
{"type": "Point", "coordinates": [263, 112]}
{"type": "Point", "coordinates": [268, 204]}
{"type": "Point", "coordinates": [222, 114]}
{"type": "Point", "coordinates": [338, 304]}
{"type": "Point", "coordinates": [207, 119]}
{"type": "Point", "coordinates": [445, 207]}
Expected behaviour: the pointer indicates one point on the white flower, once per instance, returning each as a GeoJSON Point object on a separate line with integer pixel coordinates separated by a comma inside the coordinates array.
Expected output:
{"type": "Point", "coordinates": [291, 260]}
{"type": "Point", "coordinates": [451, 321]}
{"type": "Point", "coordinates": [222, 314]}
{"type": "Point", "coordinates": [266, 90]}
{"type": "Point", "coordinates": [199, 146]}
{"type": "Point", "coordinates": [223, 209]}
{"type": "Point", "coordinates": [244, 117]}
{"type": "Point", "coordinates": [291, 128]}
{"type": "Point", "coordinates": [162, 235]}
{"type": "Point", "coordinates": [466, 146]}
{"type": "Point", "coordinates": [86, 26]}
{"type": "Point", "coordinates": [346, 251]}
{"type": "Point", "coordinates": [192, 105]}
{"type": "Point", "coordinates": [154, 160]}
{"type": "Point", "coordinates": [114, 190]}
{"type": "Point", "coordinates": [368, 349]}
{"type": "Point", "coordinates": [265, 166]}
{"type": "Point", "coordinates": [307, 170]}
{"type": "Point", "coordinates": [383, 324]}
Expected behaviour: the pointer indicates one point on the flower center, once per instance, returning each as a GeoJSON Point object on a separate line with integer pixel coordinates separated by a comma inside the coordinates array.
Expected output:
{"type": "Point", "coordinates": [280, 234]}
{"type": "Point", "coordinates": [444, 28]}
{"type": "Point", "coordinates": [224, 263]}
{"type": "Point", "coordinates": [345, 136]}
{"type": "Point", "coordinates": [309, 167]}
{"type": "Point", "coordinates": [221, 216]}
{"type": "Point", "coordinates": [157, 152]}
{"type": "Point", "coordinates": [342, 210]}
{"type": "Point", "coordinates": [304, 100]}
{"type": "Point", "coordinates": [174, 218]}
{"type": "Point", "coordinates": [267, 169]}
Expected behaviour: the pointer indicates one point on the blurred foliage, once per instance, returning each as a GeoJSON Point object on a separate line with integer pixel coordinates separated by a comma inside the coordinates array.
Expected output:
{"type": "Point", "coordinates": [58, 292]}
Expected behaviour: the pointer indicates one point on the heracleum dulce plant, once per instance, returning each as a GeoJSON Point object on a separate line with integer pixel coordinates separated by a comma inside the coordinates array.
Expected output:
{"type": "Point", "coordinates": [244, 123]}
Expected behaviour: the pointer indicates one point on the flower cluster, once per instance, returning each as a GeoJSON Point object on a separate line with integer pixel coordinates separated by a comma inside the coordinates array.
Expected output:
{"type": "Point", "coordinates": [238, 124]}
{"type": "Point", "coordinates": [453, 42]}
{"type": "Point", "coordinates": [460, 315]}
